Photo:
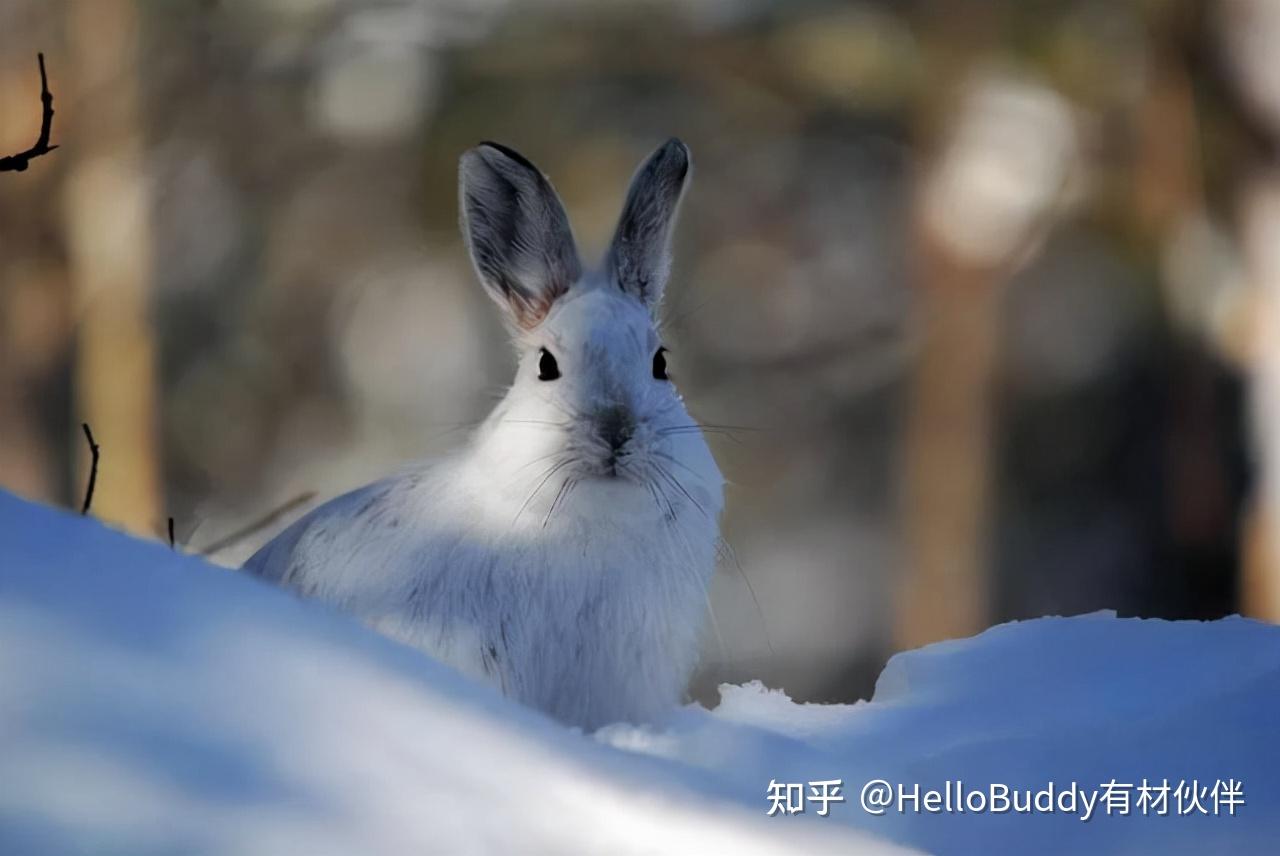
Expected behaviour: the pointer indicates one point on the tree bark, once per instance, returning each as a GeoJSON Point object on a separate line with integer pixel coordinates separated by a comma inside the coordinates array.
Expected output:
{"type": "Point", "coordinates": [109, 245]}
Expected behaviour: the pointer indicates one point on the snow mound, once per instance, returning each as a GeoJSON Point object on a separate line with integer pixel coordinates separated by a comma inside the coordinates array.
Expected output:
{"type": "Point", "coordinates": [152, 703]}
{"type": "Point", "coordinates": [1057, 702]}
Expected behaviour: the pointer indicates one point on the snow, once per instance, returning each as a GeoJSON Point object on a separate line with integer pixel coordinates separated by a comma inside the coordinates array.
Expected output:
{"type": "Point", "coordinates": [1088, 700]}
{"type": "Point", "coordinates": [153, 703]}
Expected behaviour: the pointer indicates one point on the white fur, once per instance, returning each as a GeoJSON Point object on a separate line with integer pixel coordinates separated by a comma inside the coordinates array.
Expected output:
{"type": "Point", "coordinates": [520, 559]}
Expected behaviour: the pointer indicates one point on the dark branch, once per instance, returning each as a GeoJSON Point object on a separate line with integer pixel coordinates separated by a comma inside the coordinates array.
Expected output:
{"type": "Point", "coordinates": [171, 544]}
{"type": "Point", "coordinates": [18, 162]}
{"type": "Point", "coordinates": [93, 468]}
{"type": "Point", "coordinates": [261, 523]}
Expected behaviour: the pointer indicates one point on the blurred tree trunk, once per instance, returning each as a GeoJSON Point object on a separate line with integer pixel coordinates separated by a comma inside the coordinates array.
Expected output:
{"type": "Point", "coordinates": [1260, 222]}
{"type": "Point", "coordinates": [1250, 30]}
{"type": "Point", "coordinates": [945, 591]}
{"type": "Point", "coordinates": [982, 203]}
{"type": "Point", "coordinates": [34, 293]}
{"type": "Point", "coordinates": [108, 210]}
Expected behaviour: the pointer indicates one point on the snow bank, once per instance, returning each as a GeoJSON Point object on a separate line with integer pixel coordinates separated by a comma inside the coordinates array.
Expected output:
{"type": "Point", "coordinates": [152, 703]}
{"type": "Point", "coordinates": [1086, 700]}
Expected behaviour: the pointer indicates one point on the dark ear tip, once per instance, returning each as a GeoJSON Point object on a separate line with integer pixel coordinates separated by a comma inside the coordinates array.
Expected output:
{"type": "Point", "coordinates": [506, 152]}
{"type": "Point", "coordinates": [676, 150]}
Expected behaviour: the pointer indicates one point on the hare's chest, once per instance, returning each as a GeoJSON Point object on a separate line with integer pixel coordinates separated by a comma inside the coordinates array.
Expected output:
{"type": "Point", "coordinates": [590, 627]}
{"type": "Point", "coordinates": [610, 632]}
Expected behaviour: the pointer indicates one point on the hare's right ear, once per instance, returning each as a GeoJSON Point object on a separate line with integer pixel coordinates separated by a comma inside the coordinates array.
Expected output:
{"type": "Point", "coordinates": [517, 232]}
{"type": "Point", "coordinates": [639, 259]}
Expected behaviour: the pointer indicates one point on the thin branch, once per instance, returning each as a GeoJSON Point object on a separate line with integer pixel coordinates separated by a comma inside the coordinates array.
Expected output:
{"type": "Point", "coordinates": [18, 162]}
{"type": "Point", "coordinates": [171, 544]}
{"type": "Point", "coordinates": [727, 549]}
{"type": "Point", "coordinates": [261, 523]}
{"type": "Point", "coordinates": [93, 468]}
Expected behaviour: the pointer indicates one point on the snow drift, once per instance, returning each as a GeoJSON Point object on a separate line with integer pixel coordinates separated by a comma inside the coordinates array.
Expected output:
{"type": "Point", "coordinates": [152, 703]}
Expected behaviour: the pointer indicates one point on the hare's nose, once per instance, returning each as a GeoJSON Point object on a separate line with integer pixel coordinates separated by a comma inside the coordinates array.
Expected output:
{"type": "Point", "coordinates": [615, 425]}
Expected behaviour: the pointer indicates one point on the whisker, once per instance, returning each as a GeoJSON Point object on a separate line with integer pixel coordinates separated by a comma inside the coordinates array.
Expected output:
{"type": "Point", "coordinates": [712, 425]}
{"type": "Point", "coordinates": [715, 626]}
{"type": "Point", "coordinates": [653, 489]}
{"type": "Point", "coordinates": [673, 480]}
{"type": "Point", "coordinates": [697, 429]}
{"type": "Point", "coordinates": [555, 469]}
{"type": "Point", "coordinates": [537, 460]}
{"type": "Point", "coordinates": [653, 493]}
{"type": "Point", "coordinates": [706, 592]}
{"type": "Point", "coordinates": [561, 496]}
{"type": "Point", "coordinates": [534, 422]}
{"type": "Point", "coordinates": [569, 414]}
{"type": "Point", "coordinates": [452, 428]}
{"type": "Point", "coordinates": [671, 509]}
{"type": "Point", "coordinates": [677, 462]}
{"type": "Point", "coordinates": [674, 322]}
{"type": "Point", "coordinates": [751, 590]}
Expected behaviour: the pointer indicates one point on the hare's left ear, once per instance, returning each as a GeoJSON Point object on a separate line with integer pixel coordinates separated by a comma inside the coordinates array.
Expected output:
{"type": "Point", "coordinates": [639, 259]}
{"type": "Point", "coordinates": [517, 232]}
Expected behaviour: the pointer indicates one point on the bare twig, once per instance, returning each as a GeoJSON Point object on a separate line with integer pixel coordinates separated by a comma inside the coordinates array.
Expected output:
{"type": "Point", "coordinates": [171, 544]}
{"type": "Point", "coordinates": [93, 468]}
{"type": "Point", "coordinates": [261, 523]}
{"type": "Point", "coordinates": [18, 162]}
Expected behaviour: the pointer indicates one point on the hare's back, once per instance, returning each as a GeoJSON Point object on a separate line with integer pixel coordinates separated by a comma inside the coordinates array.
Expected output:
{"type": "Point", "coordinates": [293, 556]}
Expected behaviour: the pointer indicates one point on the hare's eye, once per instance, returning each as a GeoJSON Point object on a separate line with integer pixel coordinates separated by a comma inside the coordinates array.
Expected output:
{"type": "Point", "coordinates": [547, 367]}
{"type": "Point", "coordinates": [660, 364]}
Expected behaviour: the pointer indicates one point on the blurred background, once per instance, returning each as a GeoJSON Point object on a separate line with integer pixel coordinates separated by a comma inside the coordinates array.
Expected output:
{"type": "Point", "coordinates": [988, 289]}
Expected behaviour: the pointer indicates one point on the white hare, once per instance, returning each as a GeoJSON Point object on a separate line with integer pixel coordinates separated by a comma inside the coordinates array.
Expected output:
{"type": "Point", "coordinates": [565, 553]}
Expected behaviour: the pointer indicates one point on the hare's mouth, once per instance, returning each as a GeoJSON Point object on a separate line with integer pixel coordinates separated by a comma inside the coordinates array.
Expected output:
{"type": "Point", "coordinates": [609, 469]}
{"type": "Point", "coordinates": [622, 471]}
{"type": "Point", "coordinates": [637, 475]}
{"type": "Point", "coordinates": [610, 463]}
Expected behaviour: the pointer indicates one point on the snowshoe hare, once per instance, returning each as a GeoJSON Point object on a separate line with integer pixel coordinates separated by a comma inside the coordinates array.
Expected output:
{"type": "Point", "coordinates": [565, 553]}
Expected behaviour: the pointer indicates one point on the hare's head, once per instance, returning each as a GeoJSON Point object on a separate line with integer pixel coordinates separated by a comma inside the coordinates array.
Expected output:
{"type": "Point", "coordinates": [592, 403]}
